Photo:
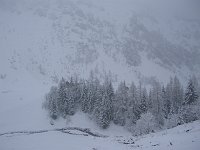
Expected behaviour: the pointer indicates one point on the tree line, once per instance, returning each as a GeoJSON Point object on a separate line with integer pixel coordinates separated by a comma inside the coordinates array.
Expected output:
{"type": "Point", "coordinates": [134, 107]}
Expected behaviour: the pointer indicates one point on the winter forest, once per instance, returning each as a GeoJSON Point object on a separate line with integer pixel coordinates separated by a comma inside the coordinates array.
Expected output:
{"type": "Point", "coordinates": [138, 109]}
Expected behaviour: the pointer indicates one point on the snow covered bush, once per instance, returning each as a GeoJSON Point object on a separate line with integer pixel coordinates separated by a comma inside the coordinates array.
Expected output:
{"type": "Point", "coordinates": [186, 114]}
{"type": "Point", "coordinates": [172, 121]}
{"type": "Point", "coordinates": [189, 113]}
{"type": "Point", "coordinates": [197, 108]}
{"type": "Point", "coordinates": [146, 124]}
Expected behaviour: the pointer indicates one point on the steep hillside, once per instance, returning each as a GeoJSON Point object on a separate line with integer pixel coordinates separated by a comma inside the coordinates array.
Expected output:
{"type": "Point", "coordinates": [132, 39]}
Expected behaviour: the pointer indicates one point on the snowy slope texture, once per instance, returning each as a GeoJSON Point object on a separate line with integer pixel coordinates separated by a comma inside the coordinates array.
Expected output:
{"type": "Point", "coordinates": [183, 137]}
{"type": "Point", "coordinates": [134, 39]}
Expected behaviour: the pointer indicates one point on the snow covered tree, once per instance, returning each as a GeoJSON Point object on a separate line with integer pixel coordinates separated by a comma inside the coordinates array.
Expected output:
{"type": "Point", "coordinates": [103, 107]}
{"type": "Point", "coordinates": [188, 113]}
{"type": "Point", "coordinates": [196, 84]}
{"type": "Point", "coordinates": [102, 112]}
{"type": "Point", "coordinates": [72, 96]}
{"type": "Point", "coordinates": [51, 103]}
{"type": "Point", "coordinates": [76, 90]}
{"type": "Point", "coordinates": [191, 93]}
{"type": "Point", "coordinates": [93, 86]}
{"type": "Point", "coordinates": [109, 93]}
{"type": "Point", "coordinates": [133, 111]}
{"type": "Point", "coordinates": [177, 95]}
{"type": "Point", "coordinates": [128, 106]}
{"type": "Point", "coordinates": [62, 97]}
{"type": "Point", "coordinates": [168, 99]}
{"type": "Point", "coordinates": [120, 104]}
{"type": "Point", "coordinates": [146, 124]}
{"type": "Point", "coordinates": [157, 108]}
{"type": "Point", "coordinates": [139, 93]}
{"type": "Point", "coordinates": [172, 121]}
{"type": "Point", "coordinates": [84, 98]}
{"type": "Point", "coordinates": [143, 103]}
{"type": "Point", "coordinates": [89, 94]}
{"type": "Point", "coordinates": [150, 102]}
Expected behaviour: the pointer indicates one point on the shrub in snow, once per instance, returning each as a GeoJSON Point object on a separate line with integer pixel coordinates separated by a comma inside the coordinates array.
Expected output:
{"type": "Point", "coordinates": [51, 122]}
{"type": "Point", "coordinates": [68, 120]}
{"type": "Point", "coordinates": [197, 108]}
{"type": "Point", "coordinates": [146, 124]}
{"type": "Point", "coordinates": [189, 113]}
{"type": "Point", "coordinates": [172, 121]}
{"type": "Point", "coordinates": [186, 114]}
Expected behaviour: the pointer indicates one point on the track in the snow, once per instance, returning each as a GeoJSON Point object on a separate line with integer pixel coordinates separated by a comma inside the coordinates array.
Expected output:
{"type": "Point", "coordinates": [85, 132]}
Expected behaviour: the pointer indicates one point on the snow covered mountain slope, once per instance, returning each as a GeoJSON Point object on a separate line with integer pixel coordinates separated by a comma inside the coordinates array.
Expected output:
{"type": "Point", "coordinates": [133, 39]}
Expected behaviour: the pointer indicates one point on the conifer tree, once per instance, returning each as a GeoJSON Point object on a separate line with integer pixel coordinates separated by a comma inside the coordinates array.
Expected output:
{"type": "Point", "coordinates": [177, 95]}
{"type": "Point", "coordinates": [133, 113]}
{"type": "Point", "coordinates": [62, 97]}
{"type": "Point", "coordinates": [157, 109]}
{"type": "Point", "coordinates": [143, 103]}
{"type": "Point", "coordinates": [51, 103]}
{"type": "Point", "coordinates": [84, 97]}
{"type": "Point", "coordinates": [191, 93]}
{"type": "Point", "coordinates": [120, 104]}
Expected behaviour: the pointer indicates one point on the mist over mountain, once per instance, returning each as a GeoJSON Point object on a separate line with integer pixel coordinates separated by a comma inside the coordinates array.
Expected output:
{"type": "Point", "coordinates": [133, 39]}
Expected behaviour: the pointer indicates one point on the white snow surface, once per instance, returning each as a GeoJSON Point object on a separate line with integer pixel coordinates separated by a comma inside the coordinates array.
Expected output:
{"type": "Point", "coordinates": [183, 137]}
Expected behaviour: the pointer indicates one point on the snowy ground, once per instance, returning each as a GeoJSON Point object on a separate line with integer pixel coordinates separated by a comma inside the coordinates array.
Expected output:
{"type": "Point", "coordinates": [180, 138]}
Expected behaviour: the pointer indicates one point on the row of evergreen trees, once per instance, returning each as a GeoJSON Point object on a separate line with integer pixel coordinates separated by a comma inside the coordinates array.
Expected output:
{"type": "Point", "coordinates": [125, 105]}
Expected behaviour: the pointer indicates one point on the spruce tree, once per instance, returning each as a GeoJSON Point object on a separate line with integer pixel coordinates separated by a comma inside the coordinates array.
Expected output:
{"type": "Point", "coordinates": [133, 113]}
{"type": "Point", "coordinates": [166, 103]}
{"type": "Point", "coordinates": [120, 104]}
{"type": "Point", "coordinates": [51, 103]}
{"type": "Point", "coordinates": [157, 109]}
{"type": "Point", "coordinates": [84, 97]}
{"type": "Point", "coordinates": [177, 95]}
{"type": "Point", "coordinates": [62, 97]}
{"type": "Point", "coordinates": [169, 99]}
{"type": "Point", "coordinates": [143, 103]}
{"type": "Point", "coordinates": [191, 95]}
